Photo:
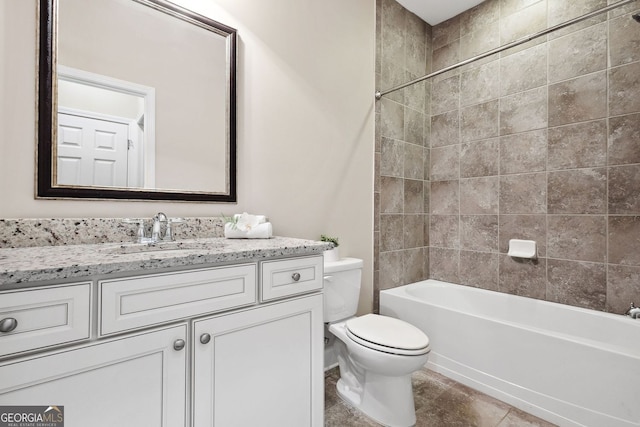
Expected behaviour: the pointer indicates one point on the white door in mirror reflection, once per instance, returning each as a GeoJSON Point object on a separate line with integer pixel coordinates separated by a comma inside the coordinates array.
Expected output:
{"type": "Point", "coordinates": [95, 151]}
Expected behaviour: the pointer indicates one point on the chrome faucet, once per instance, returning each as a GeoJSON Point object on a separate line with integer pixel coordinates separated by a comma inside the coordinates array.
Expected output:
{"type": "Point", "coordinates": [156, 228]}
{"type": "Point", "coordinates": [633, 312]}
{"type": "Point", "coordinates": [158, 219]}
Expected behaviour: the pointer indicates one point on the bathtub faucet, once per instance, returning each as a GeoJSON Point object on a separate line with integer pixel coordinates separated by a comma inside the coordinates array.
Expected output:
{"type": "Point", "coordinates": [633, 312]}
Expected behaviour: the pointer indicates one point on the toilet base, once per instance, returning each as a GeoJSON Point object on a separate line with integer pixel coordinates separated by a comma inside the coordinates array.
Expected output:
{"type": "Point", "coordinates": [386, 400]}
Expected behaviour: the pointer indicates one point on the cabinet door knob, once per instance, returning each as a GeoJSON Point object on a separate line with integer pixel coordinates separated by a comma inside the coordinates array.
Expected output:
{"type": "Point", "coordinates": [178, 345]}
{"type": "Point", "coordinates": [205, 338]}
{"type": "Point", "coordinates": [8, 324]}
{"type": "Point", "coordinates": [295, 277]}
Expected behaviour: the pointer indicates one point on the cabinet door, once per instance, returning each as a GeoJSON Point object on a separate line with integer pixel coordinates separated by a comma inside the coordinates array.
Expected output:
{"type": "Point", "coordinates": [261, 367]}
{"type": "Point", "coordinates": [133, 381]}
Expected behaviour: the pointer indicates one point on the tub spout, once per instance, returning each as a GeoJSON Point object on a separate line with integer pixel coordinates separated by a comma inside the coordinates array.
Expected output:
{"type": "Point", "coordinates": [633, 311]}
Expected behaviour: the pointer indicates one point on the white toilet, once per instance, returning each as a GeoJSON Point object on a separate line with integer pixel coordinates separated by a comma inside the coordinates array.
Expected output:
{"type": "Point", "coordinates": [376, 354]}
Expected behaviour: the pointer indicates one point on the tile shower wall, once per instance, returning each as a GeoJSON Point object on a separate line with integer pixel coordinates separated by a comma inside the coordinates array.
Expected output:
{"type": "Point", "coordinates": [401, 224]}
{"type": "Point", "coordinates": [540, 142]}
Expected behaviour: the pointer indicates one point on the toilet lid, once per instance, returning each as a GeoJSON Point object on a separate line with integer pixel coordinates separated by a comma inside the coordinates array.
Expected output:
{"type": "Point", "coordinates": [387, 334]}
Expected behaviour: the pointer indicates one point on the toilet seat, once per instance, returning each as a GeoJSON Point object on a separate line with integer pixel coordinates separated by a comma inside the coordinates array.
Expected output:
{"type": "Point", "coordinates": [388, 335]}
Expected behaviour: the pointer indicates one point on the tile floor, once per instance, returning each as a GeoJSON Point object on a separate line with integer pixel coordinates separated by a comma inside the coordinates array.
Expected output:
{"type": "Point", "coordinates": [440, 402]}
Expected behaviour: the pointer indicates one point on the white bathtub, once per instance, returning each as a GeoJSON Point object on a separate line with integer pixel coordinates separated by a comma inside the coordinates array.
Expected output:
{"type": "Point", "coordinates": [570, 366]}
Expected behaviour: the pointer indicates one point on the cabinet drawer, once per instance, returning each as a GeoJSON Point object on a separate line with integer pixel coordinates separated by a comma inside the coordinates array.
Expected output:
{"type": "Point", "coordinates": [290, 277]}
{"type": "Point", "coordinates": [136, 302]}
{"type": "Point", "coordinates": [44, 317]}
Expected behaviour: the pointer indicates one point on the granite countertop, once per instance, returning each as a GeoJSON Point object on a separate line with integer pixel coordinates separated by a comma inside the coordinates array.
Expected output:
{"type": "Point", "coordinates": [46, 263]}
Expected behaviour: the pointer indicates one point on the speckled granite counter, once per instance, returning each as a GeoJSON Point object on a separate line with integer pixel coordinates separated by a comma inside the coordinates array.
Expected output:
{"type": "Point", "coordinates": [47, 263]}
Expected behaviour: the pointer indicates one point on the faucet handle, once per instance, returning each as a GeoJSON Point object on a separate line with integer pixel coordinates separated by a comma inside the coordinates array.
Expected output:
{"type": "Point", "coordinates": [140, 233]}
{"type": "Point", "coordinates": [168, 235]}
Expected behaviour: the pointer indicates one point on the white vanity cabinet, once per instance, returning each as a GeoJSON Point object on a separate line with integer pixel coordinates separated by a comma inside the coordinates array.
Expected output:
{"type": "Point", "coordinates": [235, 345]}
{"type": "Point", "coordinates": [135, 380]}
{"type": "Point", "coordinates": [260, 367]}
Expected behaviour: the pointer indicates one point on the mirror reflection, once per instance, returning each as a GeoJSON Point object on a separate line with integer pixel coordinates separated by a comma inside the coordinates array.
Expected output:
{"type": "Point", "coordinates": [143, 102]}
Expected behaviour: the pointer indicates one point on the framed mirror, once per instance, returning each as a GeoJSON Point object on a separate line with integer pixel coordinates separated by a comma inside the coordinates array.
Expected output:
{"type": "Point", "coordinates": [136, 101]}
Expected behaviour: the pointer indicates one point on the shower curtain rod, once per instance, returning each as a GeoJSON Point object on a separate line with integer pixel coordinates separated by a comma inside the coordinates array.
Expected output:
{"type": "Point", "coordinates": [380, 94]}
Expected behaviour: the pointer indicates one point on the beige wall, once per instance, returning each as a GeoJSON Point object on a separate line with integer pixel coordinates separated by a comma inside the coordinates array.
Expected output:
{"type": "Point", "coordinates": [306, 121]}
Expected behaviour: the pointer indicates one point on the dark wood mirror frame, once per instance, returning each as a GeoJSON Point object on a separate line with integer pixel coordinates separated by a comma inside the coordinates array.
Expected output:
{"type": "Point", "coordinates": [45, 187]}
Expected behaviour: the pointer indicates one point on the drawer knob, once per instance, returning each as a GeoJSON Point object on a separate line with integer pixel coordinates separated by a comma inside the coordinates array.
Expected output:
{"type": "Point", "coordinates": [8, 324]}
{"type": "Point", "coordinates": [178, 345]}
{"type": "Point", "coordinates": [295, 277]}
{"type": "Point", "coordinates": [205, 338]}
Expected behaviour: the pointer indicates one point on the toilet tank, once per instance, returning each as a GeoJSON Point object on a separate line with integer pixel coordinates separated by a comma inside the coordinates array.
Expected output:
{"type": "Point", "coordinates": [341, 288]}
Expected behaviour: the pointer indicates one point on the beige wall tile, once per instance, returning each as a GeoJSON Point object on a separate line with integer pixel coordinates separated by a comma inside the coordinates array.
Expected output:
{"type": "Point", "coordinates": [578, 53]}
{"type": "Point", "coordinates": [624, 183]}
{"type": "Point", "coordinates": [623, 287]}
{"type": "Point", "coordinates": [523, 194]}
{"type": "Point", "coordinates": [624, 134]}
{"type": "Point", "coordinates": [581, 284]}
{"type": "Point", "coordinates": [523, 111]}
{"type": "Point", "coordinates": [480, 41]}
{"type": "Point", "coordinates": [624, 41]}
{"type": "Point", "coordinates": [509, 7]}
{"type": "Point", "coordinates": [391, 270]}
{"type": "Point", "coordinates": [445, 129]}
{"type": "Point", "coordinates": [443, 264]}
{"type": "Point", "coordinates": [581, 238]}
{"type": "Point", "coordinates": [391, 236]}
{"type": "Point", "coordinates": [523, 70]}
{"type": "Point", "coordinates": [479, 121]}
{"type": "Point", "coordinates": [523, 152]}
{"type": "Point", "coordinates": [623, 240]}
{"type": "Point", "coordinates": [445, 95]}
{"type": "Point", "coordinates": [444, 231]}
{"type": "Point", "coordinates": [581, 191]}
{"type": "Point", "coordinates": [413, 161]}
{"type": "Point", "coordinates": [416, 265]}
{"type": "Point", "coordinates": [479, 232]}
{"type": "Point", "coordinates": [479, 158]}
{"type": "Point", "coordinates": [413, 196]}
{"type": "Point", "coordinates": [480, 84]}
{"type": "Point", "coordinates": [445, 198]}
{"type": "Point", "coordinates": [578, 145]}
{"type": "Point", "coordinates": [624, 87]}
{"type": "Point", "coordinates": [577, 100]}
{"type": "Point", "coordinates": [446, 32]}
{"type": "Point", "coordinates": [526, 278]}
{"type": "Point", "coordinates": [524, 22]}
{"type": "Point", "coordinates": [413, 231]}
{"type": "Point", "coordinates": [391, 195]}
{"type": "Point", "coordinates": [446, 55]}
{"type": "Point", "coordinates": [445, 163]}
{"type": "Point", "coordinates": [392, 119]}
{"type": "Point", "coordinates": [479, 17]}
{"type": "Point", "coordinates": [392, 157]}
{"type": "Point", "coordinates": [413, 126]}
{"type": "Point", "coordinates": [479, 269]}
{"type": "Point", "coordinates": [564, 10]}
{"type": "Point", "coordinates": [479, 195]}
